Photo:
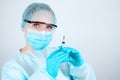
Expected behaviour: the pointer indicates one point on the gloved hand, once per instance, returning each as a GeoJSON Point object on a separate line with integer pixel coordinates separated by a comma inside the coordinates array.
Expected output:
{"type": "Point", "coordinates": [54, 60]}
{"type": "Point", "coordinates": [74, 56]}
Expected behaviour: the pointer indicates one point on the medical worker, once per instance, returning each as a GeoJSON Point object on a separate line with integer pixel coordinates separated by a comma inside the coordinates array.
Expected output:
{"type": "Point", "coordinates": [37, 61]}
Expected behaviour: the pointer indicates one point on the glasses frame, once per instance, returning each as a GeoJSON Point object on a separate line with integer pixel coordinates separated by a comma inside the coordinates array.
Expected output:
{"type": "Point", "coordinates": [39, 22]}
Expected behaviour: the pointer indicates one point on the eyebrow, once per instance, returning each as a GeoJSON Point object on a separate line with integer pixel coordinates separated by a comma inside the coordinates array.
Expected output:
{"type": "Point", "coordinates": [39, 22]}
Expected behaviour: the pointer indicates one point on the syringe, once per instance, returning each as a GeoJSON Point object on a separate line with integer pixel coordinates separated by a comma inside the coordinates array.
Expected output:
{"type": "Point", "coordinates": [68, 66]}
{"type": "Point", "coordinates": [63, 41]}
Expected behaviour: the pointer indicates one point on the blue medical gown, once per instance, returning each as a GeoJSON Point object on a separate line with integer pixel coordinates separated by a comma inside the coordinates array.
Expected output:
{"type": "Point", "coordinates": [32, 66]}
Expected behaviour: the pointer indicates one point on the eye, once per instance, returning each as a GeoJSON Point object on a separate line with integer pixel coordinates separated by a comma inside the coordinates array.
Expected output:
{"type": "Point", "coordinates": [36, 25]}
{"type": "Point", "coordinates": [49, 27]}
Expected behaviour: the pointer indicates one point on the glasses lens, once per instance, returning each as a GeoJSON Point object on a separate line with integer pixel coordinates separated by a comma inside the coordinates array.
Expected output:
{"type": "Point", "coordinates": [50, 27]}
{"type": "Point", "coordinates": [42, 25]}
{"type": "Point", "coordinates": [36, 25]}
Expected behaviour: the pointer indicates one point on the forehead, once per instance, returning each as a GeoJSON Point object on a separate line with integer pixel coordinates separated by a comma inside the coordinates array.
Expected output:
{"type": "Point", "coordinates": [42, 20]}
{"type": "Point", "coordinates": [43, 16]}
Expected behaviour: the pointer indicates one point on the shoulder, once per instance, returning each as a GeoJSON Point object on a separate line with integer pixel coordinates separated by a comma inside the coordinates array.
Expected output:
{"type": "Point", "coordinates": [12, 69]}
{"type": "Point", "coordinates": [13, 63]}
{"type": "Point", "coordinates": [10, 62]}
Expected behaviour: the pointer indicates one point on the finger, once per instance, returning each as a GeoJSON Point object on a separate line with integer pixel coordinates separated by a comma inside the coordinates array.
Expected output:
{"type": "Point", "coordinates": [59, 47]}
{"type": "Point", "coordinates": [54, 53]}
{"type": "Point", "coordinates": [61, 55]}
{"type": "Point", "coordinates": [67, 49]}
{"type": "Point", "coordinates": [72, 51]}
{"type": "Point", "coordinates": [63, 59]}
{"type": "Point", "coordinates": [58, 53]}
{"type": "Point", "coordinates": [66, 60]}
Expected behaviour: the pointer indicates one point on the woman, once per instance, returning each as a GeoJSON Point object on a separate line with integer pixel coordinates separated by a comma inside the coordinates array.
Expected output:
{"type": "Point", "coordinates": [36, 61]}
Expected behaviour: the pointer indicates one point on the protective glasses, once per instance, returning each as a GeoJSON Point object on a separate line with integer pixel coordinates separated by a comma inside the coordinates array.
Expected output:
{"type": "Point", "coordinates": [36, 25]}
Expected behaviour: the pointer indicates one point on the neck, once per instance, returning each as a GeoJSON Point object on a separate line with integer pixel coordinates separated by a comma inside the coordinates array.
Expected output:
{"type": "Point", "coordinates": [26, 48]}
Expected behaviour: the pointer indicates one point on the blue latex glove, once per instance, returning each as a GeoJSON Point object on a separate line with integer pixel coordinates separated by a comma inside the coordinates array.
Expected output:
{"type": "Point", "coordinates": [74, 56]}
{"type": "Point", "coordinates": [54, 60]}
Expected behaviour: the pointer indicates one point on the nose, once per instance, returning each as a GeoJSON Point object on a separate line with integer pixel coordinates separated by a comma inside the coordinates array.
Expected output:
{"type": "Point", "coordinates": [42, 28]}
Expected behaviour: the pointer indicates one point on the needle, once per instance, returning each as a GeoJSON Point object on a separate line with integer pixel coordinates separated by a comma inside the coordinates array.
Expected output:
{"type": "Point", "coordinates": [63, 41]}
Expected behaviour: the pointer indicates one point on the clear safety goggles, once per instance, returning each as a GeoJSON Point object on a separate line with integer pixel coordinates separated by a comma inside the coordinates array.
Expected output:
{"type": "Point", "coordinates": [41, 26]}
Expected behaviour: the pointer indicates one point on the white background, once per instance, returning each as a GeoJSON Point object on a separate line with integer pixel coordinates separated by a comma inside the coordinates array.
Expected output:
{"type": "Point", "coordinates": [91, 26]}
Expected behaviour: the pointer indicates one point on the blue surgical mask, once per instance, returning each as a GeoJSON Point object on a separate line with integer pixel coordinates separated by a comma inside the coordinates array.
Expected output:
{"type": "Point", "coordinates": [38, 40]}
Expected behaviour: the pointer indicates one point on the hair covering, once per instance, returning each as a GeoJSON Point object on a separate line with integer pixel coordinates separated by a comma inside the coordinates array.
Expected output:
{"type": "Point", "coordinates": [36, 11]}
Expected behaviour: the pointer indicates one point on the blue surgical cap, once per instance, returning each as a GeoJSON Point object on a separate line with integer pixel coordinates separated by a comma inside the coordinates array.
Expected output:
{"type": "Point", "coordinates": [36, 11]}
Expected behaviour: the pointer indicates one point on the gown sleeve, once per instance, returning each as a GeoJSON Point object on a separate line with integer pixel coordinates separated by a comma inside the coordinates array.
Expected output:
{"type": "Point", "coordinates": [11, 71]}
{"type": "Point", "coordinates": [84, 72]}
